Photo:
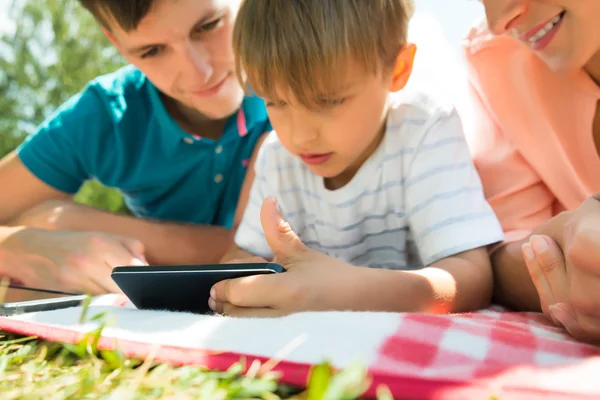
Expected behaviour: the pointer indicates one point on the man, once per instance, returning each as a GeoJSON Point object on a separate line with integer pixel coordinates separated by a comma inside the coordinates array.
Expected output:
{"type": "Point", "coordinates": [173, 132]}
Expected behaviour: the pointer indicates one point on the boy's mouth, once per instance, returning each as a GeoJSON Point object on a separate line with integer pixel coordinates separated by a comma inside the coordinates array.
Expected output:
{"type": "Point", "coordinates": [315, 159]}
{"type": "Point", "coordinates": [541, 35]}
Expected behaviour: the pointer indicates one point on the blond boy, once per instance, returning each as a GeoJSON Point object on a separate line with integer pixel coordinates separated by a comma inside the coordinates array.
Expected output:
{"type": "Point", "coordinates": [366, 174]}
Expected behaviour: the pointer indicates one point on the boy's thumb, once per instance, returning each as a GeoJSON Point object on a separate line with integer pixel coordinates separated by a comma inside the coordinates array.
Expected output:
{"type": "Point", "coordinates": [284, 242]}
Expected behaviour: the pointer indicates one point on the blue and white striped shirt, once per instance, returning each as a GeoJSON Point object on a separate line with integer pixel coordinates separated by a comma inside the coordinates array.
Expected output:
{"type": "Point", "coordinates": [416, 200]}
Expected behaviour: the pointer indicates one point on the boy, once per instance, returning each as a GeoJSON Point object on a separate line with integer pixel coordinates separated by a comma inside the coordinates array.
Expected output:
{"type": "Point", "coordinates": [367, 175]}
{"type": "Point", "coordinates": [172, 131]}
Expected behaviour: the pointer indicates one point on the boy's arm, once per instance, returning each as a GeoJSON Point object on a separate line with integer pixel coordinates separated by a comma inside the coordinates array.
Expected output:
{"type": "Point", "coordinates": [164, 243]}
{"type": "Point", "coordinates": [449, 218]}
{"type": "Point", "coordinates": [459, 283]}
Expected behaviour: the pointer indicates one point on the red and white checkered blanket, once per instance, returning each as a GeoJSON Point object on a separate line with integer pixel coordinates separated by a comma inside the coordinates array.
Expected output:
{"type": "Point", "coordinates": [466, 356]}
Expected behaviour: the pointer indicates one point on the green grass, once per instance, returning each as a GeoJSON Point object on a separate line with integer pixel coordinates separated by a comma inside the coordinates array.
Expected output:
{"type": "Point", "coordinates": [37, 369]}
{"type": "Point", "coordinates": [32, 369]}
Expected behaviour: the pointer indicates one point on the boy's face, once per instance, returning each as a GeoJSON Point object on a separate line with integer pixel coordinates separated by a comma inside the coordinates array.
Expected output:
{"type": "Point", "coordinates": [335, 140]}
{"type": "Point", "coordinates": [564, 33]}
{"type": "Point", "coordinates": [184, 48]}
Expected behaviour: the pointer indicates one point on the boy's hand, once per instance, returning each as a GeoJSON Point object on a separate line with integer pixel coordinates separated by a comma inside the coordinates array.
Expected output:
{"type": "Point", "coordinates": [312, 281]}
{"type": "Point", "coordinates": [563, 259]}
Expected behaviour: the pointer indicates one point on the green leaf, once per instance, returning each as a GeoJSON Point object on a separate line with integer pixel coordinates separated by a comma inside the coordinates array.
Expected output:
{"type": "Point", "coordinates": [383, 393]}
{"type": "Point", "coordinates": [318, 381]}
{"type": "Point", "coordinates": [350, 383]}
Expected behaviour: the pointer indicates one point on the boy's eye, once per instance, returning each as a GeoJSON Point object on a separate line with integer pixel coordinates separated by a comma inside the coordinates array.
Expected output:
{"type": "Point", "coordinates": [152, 52]}
{"type": "Point", "coordinates": [332, 102]}
{"type": "Point", "coordinates": [210, 26]}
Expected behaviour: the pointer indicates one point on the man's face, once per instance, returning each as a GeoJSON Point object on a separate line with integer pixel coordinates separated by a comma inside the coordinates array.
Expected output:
{"type": "Point", "coordinates": [184, 48]}
{"type": "Point", "coordinates": [564, 33]}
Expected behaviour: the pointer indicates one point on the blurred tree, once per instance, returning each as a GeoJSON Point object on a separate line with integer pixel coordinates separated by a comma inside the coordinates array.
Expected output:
{"type": "Point", "coordinates": [54, 50]}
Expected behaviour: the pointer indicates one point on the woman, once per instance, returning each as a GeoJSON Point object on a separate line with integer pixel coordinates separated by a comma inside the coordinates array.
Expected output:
{"type": "Point", "coordinates": [535, 74]}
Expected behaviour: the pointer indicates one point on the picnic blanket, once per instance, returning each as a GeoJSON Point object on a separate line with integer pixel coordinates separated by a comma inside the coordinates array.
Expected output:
{"type": "Point", "coordinates": [464, 356]}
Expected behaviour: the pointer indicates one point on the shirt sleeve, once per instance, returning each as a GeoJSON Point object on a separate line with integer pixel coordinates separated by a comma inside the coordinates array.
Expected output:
{"type": "Point", "coordinates": [250, 235]}
{"type": "Point", "coordinates": [57, 153]}
{"type": "Point", "coordinates": [519, 197]}
{"type": "Point", "coordinates": [446, 208]}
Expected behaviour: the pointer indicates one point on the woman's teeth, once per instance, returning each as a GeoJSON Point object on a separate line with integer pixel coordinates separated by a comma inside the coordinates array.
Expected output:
{"type": "Point", "coordinates": [547, 28]}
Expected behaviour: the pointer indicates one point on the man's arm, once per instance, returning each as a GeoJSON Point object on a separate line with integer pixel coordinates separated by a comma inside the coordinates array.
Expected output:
{"type": "Point", "coordinates": [165, 243]}
{"type": "Point", "coordinates": [21, 190]}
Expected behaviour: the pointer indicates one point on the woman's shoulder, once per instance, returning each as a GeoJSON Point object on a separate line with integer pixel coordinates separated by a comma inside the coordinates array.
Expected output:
{"type": "Point", "coordinates": [481, 45]}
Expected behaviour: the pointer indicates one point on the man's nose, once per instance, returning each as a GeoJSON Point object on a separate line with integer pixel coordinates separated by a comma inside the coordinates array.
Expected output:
{"type": "Point", "coordinates": [194, 61]}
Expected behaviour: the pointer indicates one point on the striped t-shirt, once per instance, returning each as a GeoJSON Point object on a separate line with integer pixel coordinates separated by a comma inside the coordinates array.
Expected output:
{"type": "Point", "coordinates": [416, 200]}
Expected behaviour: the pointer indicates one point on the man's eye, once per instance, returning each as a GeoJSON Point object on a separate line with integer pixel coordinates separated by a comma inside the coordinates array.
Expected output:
{"type": "Point", "coordinates": [211, 25]}
{"type": "Point", "coordinates": [151, 53]}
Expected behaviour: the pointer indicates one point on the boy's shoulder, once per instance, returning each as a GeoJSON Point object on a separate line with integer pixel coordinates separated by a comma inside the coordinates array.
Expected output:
{"type": "Point", "coordinates": [413, 109]}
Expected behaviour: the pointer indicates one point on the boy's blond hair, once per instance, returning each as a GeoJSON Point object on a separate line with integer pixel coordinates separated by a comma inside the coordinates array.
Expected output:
{"type": "Point", "coordinates": [303, 47]}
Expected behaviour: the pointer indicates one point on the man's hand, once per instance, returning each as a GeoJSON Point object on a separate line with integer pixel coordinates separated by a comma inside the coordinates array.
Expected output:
{"type": "Point", "coordinates": [68, 261]}
{"type": "Point", "coordinates": [312, 281]}
{"type": "Point", "coordinates": [563, 259]}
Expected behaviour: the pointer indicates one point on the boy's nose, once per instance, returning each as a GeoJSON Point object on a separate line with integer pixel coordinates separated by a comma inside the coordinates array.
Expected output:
{"type": "Point", "coordinates": [503, 15]}
{"type": "Point", "coordinates": [301, 136]}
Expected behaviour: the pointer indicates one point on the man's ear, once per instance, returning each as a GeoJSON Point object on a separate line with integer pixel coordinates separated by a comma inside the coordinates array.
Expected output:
{"type": "Point", "coordinates": [111, 37]}
{"type": "Point", "coordinates": [403, 67]}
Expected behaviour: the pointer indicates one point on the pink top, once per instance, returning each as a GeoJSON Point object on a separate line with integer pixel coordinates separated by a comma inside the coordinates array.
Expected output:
{"type": "Point", "coordinates": [533, 146]}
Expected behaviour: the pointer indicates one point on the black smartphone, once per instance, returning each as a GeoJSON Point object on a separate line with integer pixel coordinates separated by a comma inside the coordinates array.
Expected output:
{"type": "Point", "coordinates": [20, 300]}
{"type": "Point", "coordinates": [183, 288]}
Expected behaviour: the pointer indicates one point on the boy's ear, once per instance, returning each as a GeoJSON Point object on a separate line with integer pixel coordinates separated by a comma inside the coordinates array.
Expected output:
{"type": "Point", "coordinates": [403, 67]}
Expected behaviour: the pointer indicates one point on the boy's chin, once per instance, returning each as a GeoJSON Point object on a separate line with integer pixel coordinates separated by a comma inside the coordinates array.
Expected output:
{"type": "Point", "coordinates": [326, 171]}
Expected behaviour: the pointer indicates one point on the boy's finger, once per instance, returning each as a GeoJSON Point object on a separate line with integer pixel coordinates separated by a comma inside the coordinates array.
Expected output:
{"type": "Point", "coordinates": [280, 236]}
{"type": "Point", "coordinates": [251, 291]}
{"type": "Point", "coordinates": [539, 279]}
{"type": "Point", "coordinates": [248, 312]}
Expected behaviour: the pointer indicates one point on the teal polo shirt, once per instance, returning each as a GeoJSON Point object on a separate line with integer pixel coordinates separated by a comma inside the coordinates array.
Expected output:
{"type": "Point", "coordinates": [118, 131]}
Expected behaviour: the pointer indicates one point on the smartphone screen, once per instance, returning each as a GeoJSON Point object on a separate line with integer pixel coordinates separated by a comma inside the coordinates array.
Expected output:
{"type": "Point", "coordinates": [19, 295]}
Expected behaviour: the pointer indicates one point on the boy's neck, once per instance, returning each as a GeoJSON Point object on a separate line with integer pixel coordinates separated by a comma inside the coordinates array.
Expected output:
{"type": "Point", "coordinates": [194, 122]}
{"type": "Point", "coordinates": [593, 68]}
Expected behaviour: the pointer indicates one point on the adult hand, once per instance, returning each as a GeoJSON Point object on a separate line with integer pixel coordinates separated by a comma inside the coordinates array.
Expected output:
{"type": "Point", "coordinates": [312, 280]}
{"type": "Point", "coordinates": [68, 260]}
{"type": "Point", "coordinates": [563, 259]}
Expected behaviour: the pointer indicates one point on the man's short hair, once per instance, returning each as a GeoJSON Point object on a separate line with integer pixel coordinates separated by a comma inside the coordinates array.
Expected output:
{"type": "Point", "coordinates": [126, 13]}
